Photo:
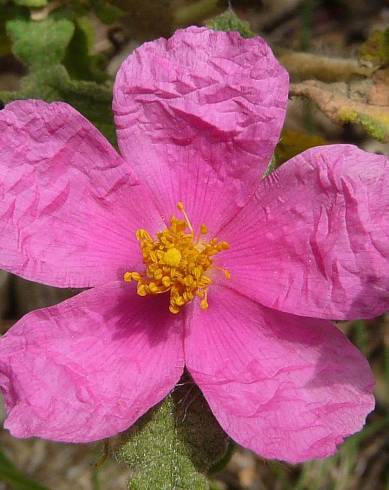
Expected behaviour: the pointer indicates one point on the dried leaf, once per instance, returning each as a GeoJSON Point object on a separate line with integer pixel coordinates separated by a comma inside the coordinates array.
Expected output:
{"type": "Point", "coordinates": [364, 103]}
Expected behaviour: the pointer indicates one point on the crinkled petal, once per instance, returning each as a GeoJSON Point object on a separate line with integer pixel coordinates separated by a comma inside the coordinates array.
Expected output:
{"type": "Point", "coordinates": [87, 368]}
{"type": "Point", "coordinates": [287, 387]}
{"type": "Point", "coordinates": [315, 240]}
{"type": "Point", "coordinates": [69, 206]}
{"type": "Point", "coordinates": [199, 115]}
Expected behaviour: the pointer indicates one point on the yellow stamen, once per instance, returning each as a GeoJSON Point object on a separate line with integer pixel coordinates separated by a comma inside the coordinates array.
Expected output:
{"type": "Point", "coordinates": [180, 206]}
{"type": "Point", "coordinates": [128, 276]}
{"type": "Point", "coordinates": [177, 262]}
{"type": "Point", "coordinates": [172, 257]}
{"type": "Point", "coordinates": [204, 302]}
{"type": "Point", "coordinates": [226, 272]}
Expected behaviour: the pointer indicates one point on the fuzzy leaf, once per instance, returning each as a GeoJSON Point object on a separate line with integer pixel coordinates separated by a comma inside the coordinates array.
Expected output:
{"type": "Point", "coordinates": [8, 12]}
{"type": "Point", "coordinates": [229, 21]}
{"type": "Point", "coordinates": [93, 100]}
{"type": "Point", "coordinates": [39, 44]}
{"type": "Point", "coordinates": [171, 447]}
{"type": "Point", "coordinates": [51, 84]}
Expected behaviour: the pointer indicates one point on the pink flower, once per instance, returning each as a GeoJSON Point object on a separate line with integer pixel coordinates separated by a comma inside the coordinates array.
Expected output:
{"type": "Point", "coordinates": [197, 119]}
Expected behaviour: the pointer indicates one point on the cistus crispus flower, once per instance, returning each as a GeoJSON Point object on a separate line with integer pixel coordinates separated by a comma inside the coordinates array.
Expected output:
{"type": "Point", "coordinates": [194, 259]}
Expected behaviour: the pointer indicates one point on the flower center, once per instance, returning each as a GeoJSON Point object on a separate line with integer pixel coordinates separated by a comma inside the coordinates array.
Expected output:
{"type": "Point", "coordinates": [177, 262]}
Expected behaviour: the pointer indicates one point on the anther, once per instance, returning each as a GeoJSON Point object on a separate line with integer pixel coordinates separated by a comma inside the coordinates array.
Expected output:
{"type": "Point", "coordinates": [177, 261]}
{"type": "Point", "coordinates": [166, 281]}
{"type": "Point", "coordinates": [141, 290]}
{"type": "Point", "coordinates": [127, 276]}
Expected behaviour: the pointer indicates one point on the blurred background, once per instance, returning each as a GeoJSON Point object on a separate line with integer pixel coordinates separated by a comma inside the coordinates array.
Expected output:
{"type": "Point", "coordinates": [336, 47]}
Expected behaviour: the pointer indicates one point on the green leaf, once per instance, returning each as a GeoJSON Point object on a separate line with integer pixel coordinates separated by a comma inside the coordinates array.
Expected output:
{"type": "Point", "coordinates": [78, 60]}
{"type": "Point", "coordinates": [93, 100]}
{"type": "Point", "coordinates": [8, 12]}
{"type": "Point", "coordinates": [14, 478]}
{"type": "Point", "coordinates": [31, 3]}
{"type": "Point", "coordinates": [229, 21]}
{"type": "Point", "coordinates": [173, 446]}
{"type": "Point", "coordinates": [106, 12]}
{"type": "Point", "coordinates": [39, 44]}
{"type": "Point", "coordinates": [53, 84]}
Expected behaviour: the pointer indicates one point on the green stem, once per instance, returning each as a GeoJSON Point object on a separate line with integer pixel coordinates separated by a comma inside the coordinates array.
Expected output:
{"type": "Point", "coordinates": [174, 446]}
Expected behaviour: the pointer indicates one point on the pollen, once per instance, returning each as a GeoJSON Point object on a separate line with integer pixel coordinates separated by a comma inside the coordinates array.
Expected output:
{"type": "Point", "coordinates": [172, 257]}
{"type": "Point", "coordinates": [177, 262]}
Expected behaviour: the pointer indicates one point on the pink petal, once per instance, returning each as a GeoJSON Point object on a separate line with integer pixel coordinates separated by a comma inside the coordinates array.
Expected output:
{"type": "Point", "coordinates": [69, 206]}
{"type": "Point", "coordinates": [315, 240]}
{"type": "Point", "coordinates": [87, 368]}
{"type": "Point", "coordinates": [199, 115]}
{"type": "Point", "coordinates": [286, 387]}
